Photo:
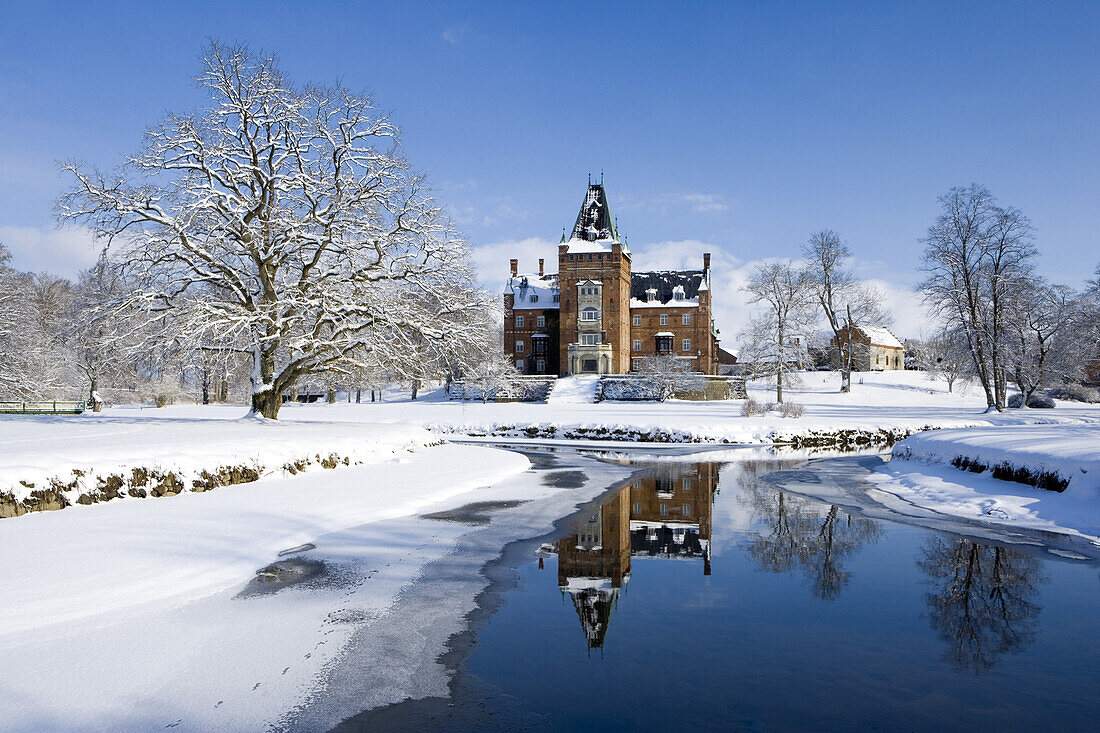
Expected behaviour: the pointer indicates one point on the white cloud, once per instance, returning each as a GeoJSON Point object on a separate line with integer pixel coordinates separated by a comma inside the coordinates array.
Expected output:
{"type": "Point", "coordinates": [63, 252]}
{"type": "Point", "coordinates": [703, 202]}
{"type": "Point", "coordinates": [666, 202]}
{"type": "Point", "coordinates": [456, 33]}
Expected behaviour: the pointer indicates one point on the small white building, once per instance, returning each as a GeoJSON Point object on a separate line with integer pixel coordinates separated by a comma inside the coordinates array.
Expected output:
{"type": "Point", "coordinates": [874, 348]}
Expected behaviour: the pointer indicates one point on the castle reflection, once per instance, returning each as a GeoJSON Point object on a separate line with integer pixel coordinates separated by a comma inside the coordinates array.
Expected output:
{"type": "Point", "coordinates": [666, 513]}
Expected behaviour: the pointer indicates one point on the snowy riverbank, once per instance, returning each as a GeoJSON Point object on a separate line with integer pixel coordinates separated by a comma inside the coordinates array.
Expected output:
{"type": "Point", "coordinates": [158, 593]}
{"type": "Point", "coordinates": [955, 472]}
{"type": "Point", "coordinates": [53, 462]}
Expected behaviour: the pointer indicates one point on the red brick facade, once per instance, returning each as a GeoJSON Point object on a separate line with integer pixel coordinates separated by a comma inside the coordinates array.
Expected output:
{"type": "Point", "coordinates": [602, 317]}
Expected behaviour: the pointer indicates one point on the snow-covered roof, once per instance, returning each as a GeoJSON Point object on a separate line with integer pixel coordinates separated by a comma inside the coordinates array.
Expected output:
{"type": "Point", "coordinates": [533, 292]}
{"type": "Point", "coordinates": [686, 303]}
{"type": "Point", "coordinates": [668, 283]}
{"type": "Point", "coordinates": [880, 336]}
{"type": "Point", "coordinates": [581, 246]}
{"type": "Point", "coordinates": [664, 333]}
{"type": "Point", "coordinates": [595, 229]}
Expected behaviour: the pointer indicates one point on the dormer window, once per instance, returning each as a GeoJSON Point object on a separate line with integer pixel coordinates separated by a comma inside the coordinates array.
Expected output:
{"type": "Point", "coordinates": [678, 293]}
{"type": "Point", "coordinates": [533, 299]}
{"type": "Point", "coordinates": [651, 295]}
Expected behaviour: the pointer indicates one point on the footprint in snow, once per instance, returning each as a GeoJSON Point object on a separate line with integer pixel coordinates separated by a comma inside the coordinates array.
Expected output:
{"type": "Point", "coordinates": [286, 669]}
{"type": "Point", "coordinates": [218, 704]}
{"type": "Point", "coordinates": [255, 686]}
{"type": "Point", "coordinates": [173, 725]}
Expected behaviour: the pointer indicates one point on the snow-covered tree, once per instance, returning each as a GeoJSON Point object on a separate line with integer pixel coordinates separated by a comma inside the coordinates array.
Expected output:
{"type": "Point", "coordinates": [945, 354]}
{"type": "Point", "coordinates": [292, 214]}
{"type": "Point", "coordinates": [776, 340]}
{"type": "Point", "coordinates": [1043, 345]}
{"type": "Point", "coordinates": [668, 374]}
{"type": "Point", "coordinates": [977, 255]}
{"type": "Point", "coordinates": [844, 300]}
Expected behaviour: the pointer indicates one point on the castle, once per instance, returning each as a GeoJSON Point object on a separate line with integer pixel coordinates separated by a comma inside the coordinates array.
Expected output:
{"type": "Point", "coordinates": [596, 316]}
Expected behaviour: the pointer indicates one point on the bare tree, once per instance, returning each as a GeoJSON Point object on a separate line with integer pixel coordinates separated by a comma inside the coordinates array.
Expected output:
{"type": "Point", "coordinates": [293, 212]}
{"type": "Point", "coordinates": [668, 374]}
{"type": "Point", "coordinates": [1042, 322]}
{"type": "Point", "coordinates": [844, 300]}
{"type": "Point", "coordinates": [945, 354]}
{"type": "Point", "coordinates": [977, 254]}
{"type": "Point", "coordinates": [778, 337]}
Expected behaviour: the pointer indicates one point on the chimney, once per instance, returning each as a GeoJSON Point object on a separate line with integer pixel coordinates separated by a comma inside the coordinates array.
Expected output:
{"type": "Point", "coordinates": [706, 260]}
{"type": "Point", "coordinates": [541, 263]}
{"type": "Point", "coordinates": [515, 267]}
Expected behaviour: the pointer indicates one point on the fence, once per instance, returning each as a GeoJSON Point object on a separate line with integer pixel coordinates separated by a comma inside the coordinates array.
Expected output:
{"type": "Point", "coordinates": [42, 408]}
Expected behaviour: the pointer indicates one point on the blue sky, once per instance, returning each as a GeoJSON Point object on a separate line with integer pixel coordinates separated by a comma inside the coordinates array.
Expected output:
{"type": "Point", "coordinates": [737, 128]}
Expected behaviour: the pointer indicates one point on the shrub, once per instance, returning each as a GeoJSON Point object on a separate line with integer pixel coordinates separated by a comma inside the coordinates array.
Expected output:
{"type": "Point", "coordinates": [751, 407]}
{"type": "Point", "coordinates": [791, 409]}
{"type": "Point", "coordinates": [1036, 400]}
{"type": "Point", "coordinates": [1075, 392]}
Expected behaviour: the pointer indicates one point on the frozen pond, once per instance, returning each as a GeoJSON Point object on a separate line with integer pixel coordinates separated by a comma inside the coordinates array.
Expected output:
{"type": "Point", "coordinates": [698, 595]}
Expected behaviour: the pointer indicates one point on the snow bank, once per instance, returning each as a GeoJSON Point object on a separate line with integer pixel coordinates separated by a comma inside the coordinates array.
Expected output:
{"type": "Point", "coordinates": [122, 454]}
{"type": "Point", "coordinates": [1070, 453]}
{"type": "Point", "coordinates": [922, 473]}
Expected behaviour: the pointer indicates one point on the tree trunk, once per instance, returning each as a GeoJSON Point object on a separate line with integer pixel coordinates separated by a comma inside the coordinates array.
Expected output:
{"type": "Point", "coordinates": [330, 396]}
{"type": "Point", "coordinates": [267, 404]}
{"type": "Point", "coordinates": [266, 400]}
{"type": "Point", "coordinates": [415, 388]}
{"type": "Point", "coordinates": [93, 395]}
{"type": "Point", "coordinates": [358, 395]}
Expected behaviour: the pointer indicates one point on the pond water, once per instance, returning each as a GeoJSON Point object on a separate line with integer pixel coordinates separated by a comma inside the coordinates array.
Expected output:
{"type": "Point", "coordinates": [697, 595]}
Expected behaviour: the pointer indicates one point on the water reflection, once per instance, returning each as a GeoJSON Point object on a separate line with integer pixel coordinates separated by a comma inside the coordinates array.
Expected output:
{"type": "Point", "coordinates": [804, 535]}
{"type": "Point", "coordinates": [664, 514]}
{"type": "Point", "coordinates": [986, 600]}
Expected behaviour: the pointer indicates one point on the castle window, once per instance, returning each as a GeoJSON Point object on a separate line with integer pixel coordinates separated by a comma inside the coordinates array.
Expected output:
{"type": "Point", "coordinates": [686, 345]}
{"type": "Point", "coordinates": [599, 258]}
{"type": "Point", "coordinates": [590, 314]}
{"type": "Point", "coordinates": [637, 508]}
{"type": "Point", "coordinates": [637, 320]}
{"type": "Point", "coordinates": [540, 321]}
{"type": "Point", "coordinates": [519, 321]}
{"type": "Point", "coordinates": [533, 299]}
{"type": "Point", "coordinates": [590, 339]}
{"type": "Point", "coordinates": [637, 344]}
{"type": "Point", "coordinates": [540, 365]}
{"type": "Point", "coordinates": [570, 258]}
{"type": "Point", "coordinates": [557, 297]}
{"type": "Point", "coordinates": [664, 319]}
{"type": "Point", "coordinates": [686, 319]}
{"type": "Point", "coordinates": [589, 256]}
{"type": "Point", "coordinates": [664, 509]}
{"type": "Point", "coordinates": [687, 510]}
{"type": "Point", "coordinates": [519, 347]}
{"type": "Point", "coordinates": [519, 365]}
{"type": "Point", "coordinates": [686, 484]}
{"type": "Point", "coordinates": [664, 344]}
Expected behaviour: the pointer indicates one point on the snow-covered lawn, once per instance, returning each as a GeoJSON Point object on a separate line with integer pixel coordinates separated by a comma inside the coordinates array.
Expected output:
{"type": "Point", "coordinates": [184, 440]}
{"type": "Point", "coordinates": [921, 472]}
{"type": "Point", "coordinates": [885, 400]}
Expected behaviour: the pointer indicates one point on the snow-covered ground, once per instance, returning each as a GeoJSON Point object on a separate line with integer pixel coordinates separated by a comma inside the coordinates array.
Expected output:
{"type": "Point", "coordinates": [884, 400]}
{"type": "Point", "coordinates": [129, 614]}
{"type": "Point", "coordinates": [921, 473]}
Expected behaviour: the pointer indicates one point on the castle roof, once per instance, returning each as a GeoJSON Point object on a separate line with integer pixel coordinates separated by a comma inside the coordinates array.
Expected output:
{"type": "Point", "coordinates": [534, 292]}
{"type": "Point", "coordinates": [595, 229]}
{"type": "Point", "coordinates": [666, 284]}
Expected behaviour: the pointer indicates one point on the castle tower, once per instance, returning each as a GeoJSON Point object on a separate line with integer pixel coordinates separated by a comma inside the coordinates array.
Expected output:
{"type": "Point", "coordinates": [594, 280]}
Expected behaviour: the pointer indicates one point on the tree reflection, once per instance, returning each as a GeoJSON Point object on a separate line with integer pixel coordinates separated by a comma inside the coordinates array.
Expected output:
{"type": "Point", "coordinates": [802, 536]}
{"type": "Point", "coordinates": [986, 604]}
